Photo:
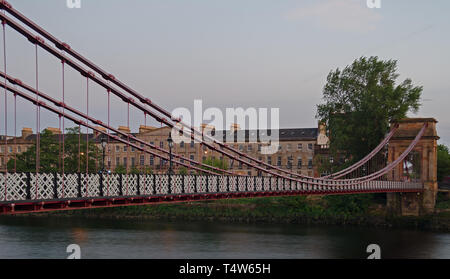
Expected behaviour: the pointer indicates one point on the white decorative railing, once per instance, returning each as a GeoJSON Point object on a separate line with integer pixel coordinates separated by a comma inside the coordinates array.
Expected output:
{"type": "Point", "coordinates": [48, 186]}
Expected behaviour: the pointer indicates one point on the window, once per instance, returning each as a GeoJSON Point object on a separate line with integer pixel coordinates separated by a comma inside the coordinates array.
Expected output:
{"type": "Point", "coordinates": [182, 144]}
{"type": "Point", "coordinates": [125, 162]}
{"type": "Point", "coordinates": [182, 159]}
{"type": "Point", "coordinates": [192, 144]}
{"type": "Point", "coordinates": [310, 146]}
{"type": "Point", "coordinates": [132, 149]}
{"type": "Point", "coordinates": [279, 147]}
{"type": "Point", "coordinates": [125, 148]}
{"type": "Point", "coordinates": [241, 147]}
{"type": "Point", "coordinates": [279, 161]}
{"type": "Point", "coordinates": [161, 144]}
{"type": "Point", "coordinates": [117, 148]}
{"type": "Point", "coordinates": [152, 143]}
{"type": "Point", "coordinates": [240, 165]}
{"type": "Point", "coordinates": [300, 146]}
{"type": "Point", "coordinates": [109, 162]}
{"type": "Point", "coordinates": [269, 160]}
{"type": "Point", "coordinates": [117, 161]}
{"type": "Point", "coordinates": [19, 149]}
{"type": "Point", "coordinates": [250, 148]}
{"type": "Point", "coordinates": [152, 160]}
{"type": "Point", "coordinates": [192, 158]}
{"type": "Point", "coordinates": [133, 161]}
{"type": "Point", "coordinates": [288, 147]}
{"type": "Point", "coordinates": [289, 162]}
{"type": "Point", "coordinates": [310, 163]}
{"type": "Point", "coordinates": [10, 149]}
{"type": "Point", "coordinates": [142, 160]}
{"type": "Point", "coordinates": [259, 147]}
{"type": "Point", "coordinates": [299, 162]}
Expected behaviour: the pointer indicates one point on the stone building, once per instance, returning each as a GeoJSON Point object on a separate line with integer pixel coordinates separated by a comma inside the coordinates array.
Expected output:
{"type": "Point", "coordinates": [295, 152]}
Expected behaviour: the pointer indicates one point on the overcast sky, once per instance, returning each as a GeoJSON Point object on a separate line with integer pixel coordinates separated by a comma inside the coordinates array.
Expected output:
{"type": "Point", "coordinates": [249, 53]}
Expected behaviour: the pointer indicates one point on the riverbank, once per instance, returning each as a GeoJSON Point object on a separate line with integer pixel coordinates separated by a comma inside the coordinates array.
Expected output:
{"type": "Point", "coordinates": [348, 211]}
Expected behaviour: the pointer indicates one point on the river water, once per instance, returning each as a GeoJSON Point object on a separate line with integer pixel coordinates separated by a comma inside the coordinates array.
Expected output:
{"type": "Point", "coordinates": [48, 237]}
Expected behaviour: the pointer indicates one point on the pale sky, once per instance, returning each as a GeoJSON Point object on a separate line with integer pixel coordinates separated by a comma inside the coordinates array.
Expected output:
{"type": "Point", "coordinates": [248, 53]}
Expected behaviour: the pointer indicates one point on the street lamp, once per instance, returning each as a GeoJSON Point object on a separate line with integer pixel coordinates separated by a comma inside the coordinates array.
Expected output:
{"type": "Point", "coordinates": [103, 142]}
{"type": "Point", "coordinates": [170, 141]}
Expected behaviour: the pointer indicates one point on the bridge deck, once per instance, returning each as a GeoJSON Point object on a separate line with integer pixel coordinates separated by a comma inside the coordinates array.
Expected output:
{"type": "Point", "coordinates": [30, 192]}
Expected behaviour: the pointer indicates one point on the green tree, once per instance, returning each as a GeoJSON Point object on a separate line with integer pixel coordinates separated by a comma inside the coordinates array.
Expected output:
{"type": "Point", "coordinates": [120, 169]}
{"type": "Point", "coordinates": [443, 162]}
{"type": "Point", "coordinates": [214, 162]}
{"type": "Point", "coordinates": [361, 101]}
{"type": "Point", "coordinates": [182, 170]}
{"type": "Point", "coordinates": [50, 154]}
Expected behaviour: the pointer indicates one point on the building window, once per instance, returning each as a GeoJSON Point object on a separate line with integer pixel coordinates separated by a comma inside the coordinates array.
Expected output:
{"type": "Point", "coordinates": [300, 146]}
{"type": "Point", "coordinates": [152, 160]}
{"type": "Point", "coordinates": [279, 147]}
{"type": "Point", "coordinates": [125, 161]}
{"type": "Point", "coordinates": [192, 144]}
{"type": "Point", "coordinates": [19, 149]}
{"type": "Point", "coordinates": [133, 161]}
{"type": "Point", "coordinates": [142, 160]}
{"type": "Point", "coordinates": [182, 144]}
{"type": "Point", "coordinates": [152, 143]}
{"type": "Point", "coordinates": [125, 148]}
{"type": "Point", "coordinates": [10, 149]}
{"type": "Point", "coordinates": [259, 147]}
{"type": "Point", "coordinates": [117, 161]}
{"type": "Point", "coordinates": [289, 162]}
{"type": "Point", "coordinates": [192, 159]}
{"type": "Point", "coordinates": [310, 146]}
{"type": "Point", "coordinates": [288, 147]}
{"type": "Point", "coordinates": [240, 165]}
{"type": "Point", "coordinates": [279, 161]}
{"type": "Point", "coordinates": [182, 159]}
{"type": "Point", "coordinates": [117, 148]}
{"type": "Point", "coordinates": [269, 160]}
{"type": "Point", "coordinates": [132, 149]}
{"type": "Point", "coordinates": [299, 162]}
{"type": "Point", "coordinates": [161, 144]}
{"type": "Point", "coordinates": [249, 148]}
{"type": "Point", "coordinates": [241, 147]}
{"type": "Point", "coordinates": [310, 163]}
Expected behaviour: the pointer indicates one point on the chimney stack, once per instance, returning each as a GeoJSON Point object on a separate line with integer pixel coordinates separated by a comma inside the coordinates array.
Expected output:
{"type": "Point", "coordinates": [124, 129]}
{"type": "Point", "coordinates": [26, 132]}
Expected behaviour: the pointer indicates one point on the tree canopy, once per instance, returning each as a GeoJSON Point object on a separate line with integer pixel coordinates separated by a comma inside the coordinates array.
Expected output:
{"type": "Point", "coordinates": [443, 162]}
{"type": "Point", "coordinates": [360, 101]}
{"type": "Point", "coordinates": [50, 154]}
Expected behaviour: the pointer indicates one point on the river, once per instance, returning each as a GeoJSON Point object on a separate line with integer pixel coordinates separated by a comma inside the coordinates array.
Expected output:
{"type": "Point", "coordinates": [48, 237]}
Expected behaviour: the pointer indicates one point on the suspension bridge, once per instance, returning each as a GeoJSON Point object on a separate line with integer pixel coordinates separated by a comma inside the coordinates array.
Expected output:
{"type": "Point", "coordinates": [410, 181]}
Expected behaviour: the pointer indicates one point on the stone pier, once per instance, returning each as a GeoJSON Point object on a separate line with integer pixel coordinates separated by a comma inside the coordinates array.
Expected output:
{"type": "Point", "coordinates": [423, 166]}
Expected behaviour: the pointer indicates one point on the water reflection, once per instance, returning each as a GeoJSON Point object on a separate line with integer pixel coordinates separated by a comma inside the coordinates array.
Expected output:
{"type": "Point", "coordinates": [48, 237]}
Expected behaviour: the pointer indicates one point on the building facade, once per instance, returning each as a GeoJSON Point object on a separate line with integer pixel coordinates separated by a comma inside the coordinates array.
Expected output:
{"type": "Point", "coordinates": [295, 152]}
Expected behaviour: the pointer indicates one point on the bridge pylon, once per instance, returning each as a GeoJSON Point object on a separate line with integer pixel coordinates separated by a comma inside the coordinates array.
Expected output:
{"type": "Point", "coordinates": [420, 165]}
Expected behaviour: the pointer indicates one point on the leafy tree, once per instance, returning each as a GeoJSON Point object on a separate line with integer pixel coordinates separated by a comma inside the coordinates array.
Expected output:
{"type": "Point", "coordinates": [120, 169]}
{"type": "Point", "coordinates": [360, 102]}
{"type": "Point", "coordinates": [214, 162]}
{"type": "Point", "coordinates": [50, 154]}
{"type": "Point", "coordinates": [443, 162]}
{"type": "Point", "coordinates": [182, 171]}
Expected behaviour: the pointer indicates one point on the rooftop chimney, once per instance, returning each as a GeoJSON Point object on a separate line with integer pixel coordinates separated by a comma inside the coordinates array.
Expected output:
{"type": "Point", "coordinates": [124, 129]}
{"type": "Point", "coordinates": [146, 129]}
{"type": "Point", "coordinates": [54, 131]}
{"type": "Point", "coordinates": [26, 132]}
{"type": "Point", "coordinates": [97, 133]}
{"type": "Point", "coordinates": [235, 127]}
